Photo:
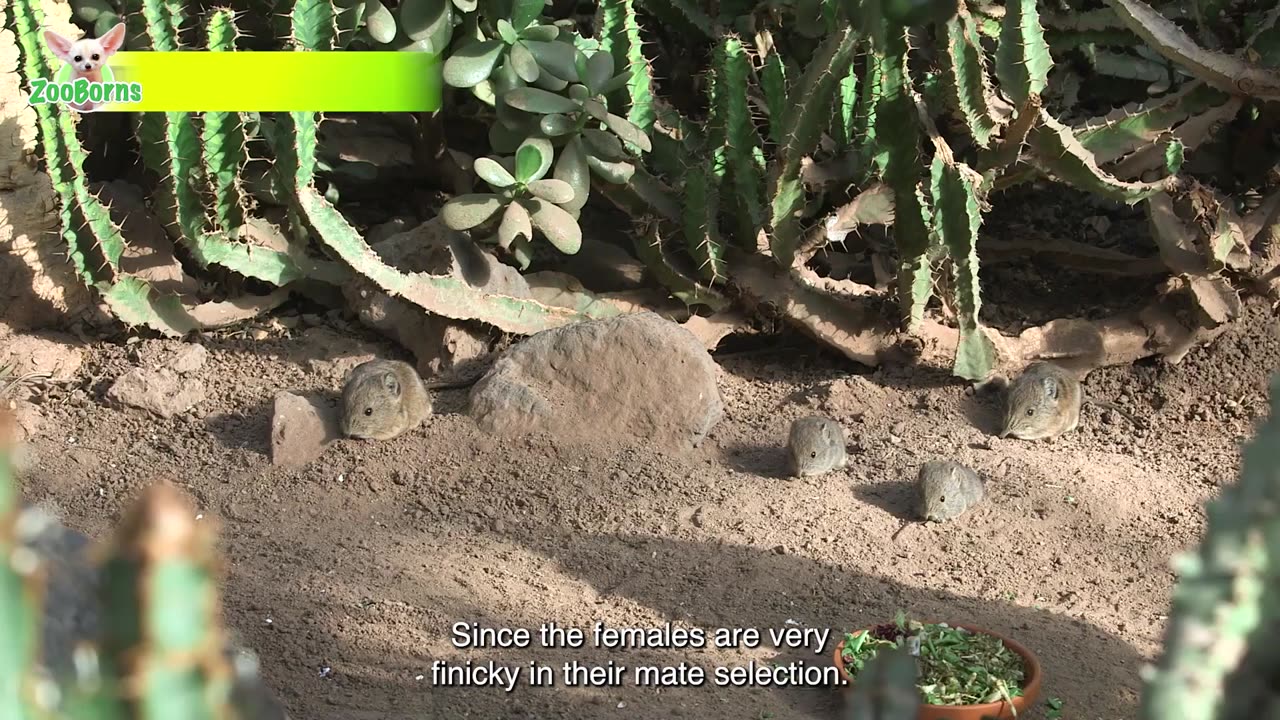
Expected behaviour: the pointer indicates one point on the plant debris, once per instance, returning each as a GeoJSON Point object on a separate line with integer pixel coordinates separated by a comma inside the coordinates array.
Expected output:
{"type": "Point", "coordinates": [956, 666]}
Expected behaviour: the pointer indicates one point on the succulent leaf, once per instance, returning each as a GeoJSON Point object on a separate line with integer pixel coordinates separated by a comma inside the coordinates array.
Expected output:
{"type": "Point", "coordinates": [467, 211]}
{"type": "Point", "coordinates": [472, 64]}
{"type": "Point", "coordinates": [538, 101]}
{"type": "Point", "coordinates": [558, 226]}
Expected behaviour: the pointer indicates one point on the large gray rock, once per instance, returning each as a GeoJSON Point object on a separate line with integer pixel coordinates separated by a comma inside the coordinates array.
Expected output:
{"type": "Point", "coordinates": [636, 375]}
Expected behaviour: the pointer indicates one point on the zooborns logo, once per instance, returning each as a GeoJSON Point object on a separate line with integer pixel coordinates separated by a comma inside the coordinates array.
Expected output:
{"type": "Point", "coordinates": [85, 83]}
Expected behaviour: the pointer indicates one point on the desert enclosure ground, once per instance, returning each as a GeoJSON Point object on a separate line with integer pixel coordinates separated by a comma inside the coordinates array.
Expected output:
{"type": "Point", "coordinates": [346, 575]}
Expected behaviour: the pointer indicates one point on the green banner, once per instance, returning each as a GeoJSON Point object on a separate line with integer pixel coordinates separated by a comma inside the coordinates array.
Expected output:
{"type": "Point", "coordinates": [195, 81]}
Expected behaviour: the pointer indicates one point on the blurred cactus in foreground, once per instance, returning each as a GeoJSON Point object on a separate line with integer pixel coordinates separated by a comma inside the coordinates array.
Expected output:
{"type": "Point", "coordinates": [1221, 660]}
{"type": "Point", "coordinates": [161, 653]}
{"type": "Point", "coordinates": [886, 688]}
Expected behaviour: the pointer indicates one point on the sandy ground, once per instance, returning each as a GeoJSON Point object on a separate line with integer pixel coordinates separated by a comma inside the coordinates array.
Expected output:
{"type": "Point", "coordinates": [346, 576]}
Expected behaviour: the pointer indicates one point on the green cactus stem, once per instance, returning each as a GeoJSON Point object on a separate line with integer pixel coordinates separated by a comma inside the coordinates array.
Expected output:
{"type": "Point", "coordinates": [968, 85]}
{"type": "Point", "coordinates": [683, 15]}
{"type": "Point", "coordinates": [96, 249]}
{"type": "Point", "coordinates": [313, 24]}
{"type": "Point", "coordinates": [870, 95]}
{"type": "Point", "coordinates": [844, 121]}
{"type": "Point", "coordinates": [21, 594]}
{"type": "Point", "coordinates": [743, 154]}
{"type": "Point", "coordinates": [957, 218]}
{"type": "Point", "coordinates": [441, 295]}
{"type": "Point", "coordinates": [774, 85]}
{"type": "Point", "coordinates": [222, 134]}
{"type": "Point", "coordinates": [898, 132]}
{"type": "Point", "coordinates": [1009, 149]}
{"type": "Point", "coordinates": [149, 28]}
{"type": "Point", "coordinates": [805, 121]}
{"type": "Point", "coordinates": [1057, 153]}
{"type": "Point", "coordinates": [1022, 55]}
{"type": "Point", "coordinates": [683, 287]}
{"type": "Point", "coordinates": [620, 37]}
{"type": "Point", "coordinates": [701, 220]}
{"type": "Point", "coordinates": [1130, 128]}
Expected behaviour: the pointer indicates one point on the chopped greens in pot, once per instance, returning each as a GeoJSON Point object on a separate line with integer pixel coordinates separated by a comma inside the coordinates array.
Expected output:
{"type": "Point", "coordinates": [956, 666]}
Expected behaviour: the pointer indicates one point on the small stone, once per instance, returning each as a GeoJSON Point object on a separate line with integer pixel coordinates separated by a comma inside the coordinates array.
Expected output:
{"type": "Point", "coordinates": [159, 391]}
{"type": "Point", "coordinates": [780, 550]}
{"type": "Point", "coordinates": [188, 359]}
{"type": "Point", "coordinates": [29, 419]}
{"type": "Point", "coordinates": [301, 427]}
{"type": "Point", "coordinates": [698, 519]}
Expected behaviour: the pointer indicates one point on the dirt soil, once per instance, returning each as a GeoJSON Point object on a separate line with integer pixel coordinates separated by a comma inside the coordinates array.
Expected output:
{"type": "Point", "coordinates": [347, 575]}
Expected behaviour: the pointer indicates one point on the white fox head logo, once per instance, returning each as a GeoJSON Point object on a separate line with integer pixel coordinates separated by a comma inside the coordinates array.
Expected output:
{"type": "Point", "coordinates": [86, 56]}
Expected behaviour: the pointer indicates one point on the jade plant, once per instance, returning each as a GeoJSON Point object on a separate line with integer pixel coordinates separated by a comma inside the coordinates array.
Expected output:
{"type": "Point", "coordinates": [161, 649]}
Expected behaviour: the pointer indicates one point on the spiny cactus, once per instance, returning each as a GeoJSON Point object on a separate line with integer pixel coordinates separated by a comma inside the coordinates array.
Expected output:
{"type": "Point", "coordinates": [95, 253]}
{"type": "Point", "coordinates": [162, 652]}
{"type": "Point", "coordinates": [859, 86]}
{"type": "Point", "coordinates": [725, 175]}
{"type": "Point", "coordinates": [957, 217]}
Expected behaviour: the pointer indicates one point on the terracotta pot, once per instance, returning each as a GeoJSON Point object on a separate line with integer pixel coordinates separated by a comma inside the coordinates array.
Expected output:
{"type": "Point", "coordinates": [1000, 710]}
